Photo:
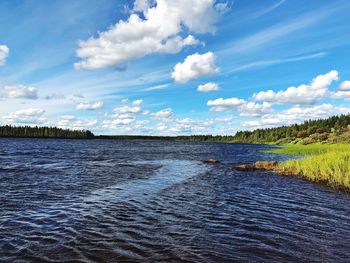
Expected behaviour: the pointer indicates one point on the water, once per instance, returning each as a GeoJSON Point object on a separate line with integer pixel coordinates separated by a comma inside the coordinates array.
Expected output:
{"type": "Point", "coordinates": [112, 201]}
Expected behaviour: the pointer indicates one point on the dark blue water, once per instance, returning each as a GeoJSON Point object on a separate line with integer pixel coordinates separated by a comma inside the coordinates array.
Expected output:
{"type": "Point", "coordinates": [117, 201]}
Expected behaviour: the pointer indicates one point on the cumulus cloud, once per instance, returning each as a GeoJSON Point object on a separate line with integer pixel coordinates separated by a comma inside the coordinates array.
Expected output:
{"type": "Point", "coordinates": [71, 122]}
{"type": "Point", "coordinates": [137, 103]}
{"type": "Point", "coordinates": [297, 114]}
{"type": "Point", "coordinates": [128, 125]}
{"type": "Point", "coordinates": [345, 85]}
{"type": "Point", "coordinates": [126, 118]}
{"type": "Point", "coordinates": [225, 104]}
{"type": "Point", "coordinates": [252, 109]}
{"type": "Point", "coordinates": [303, 94]}
{"type": "Point", "coordinates": [27, 116]}
{"type": "Point", "coordinates": [19, 92]}
{"type": "Point", "coordinates": [210, 86]}
{"type": "Point", "coordinates": [195, 66]}
{"type": "Point", "coordinates": [163, 114]}
{"type": "Point", "coordinates": [153, 27]}
{"type": "Point", "coordinates": [119, 121]}
{"type": "Point", "coordinates": [89, 105]}
{"type": "Point", "coordinates": [128, 109]}
{"type": "Point", "coordinates": [134, 108]}
{"type": "Point", "coordinates": [4, 53]}
{"type": "Point", "coordinates": [343, 91]}
{"type": "Point", "coordinates": [245, 108]}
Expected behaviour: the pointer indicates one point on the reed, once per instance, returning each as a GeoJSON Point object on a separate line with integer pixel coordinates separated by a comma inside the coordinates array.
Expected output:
{"type": "Point", "coordinates": [328, 163]}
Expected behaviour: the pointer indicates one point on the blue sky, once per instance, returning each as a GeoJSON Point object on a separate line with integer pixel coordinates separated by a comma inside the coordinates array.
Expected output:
{"type": "Point", "coordinates": [164, 67]}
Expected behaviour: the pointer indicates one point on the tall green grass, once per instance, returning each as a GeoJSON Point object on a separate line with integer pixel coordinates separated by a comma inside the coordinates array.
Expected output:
{"type": "Point", "coordinates": [310, 149]}
{"type": "Point", "coordinates": [328, 163]}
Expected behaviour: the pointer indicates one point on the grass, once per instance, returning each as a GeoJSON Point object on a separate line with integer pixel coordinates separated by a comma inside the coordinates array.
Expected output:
{"type": "Point", "coordinates": [328, 163]}
{"type": "Point", "coordinates": [310, 149]}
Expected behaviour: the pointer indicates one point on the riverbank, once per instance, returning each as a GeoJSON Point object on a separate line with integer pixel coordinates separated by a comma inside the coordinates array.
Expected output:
{"type": "Point", "coordinates": [325, 163]}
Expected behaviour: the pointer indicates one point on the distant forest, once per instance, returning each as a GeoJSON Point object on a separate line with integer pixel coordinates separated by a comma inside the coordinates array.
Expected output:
{"type": "Point", "coordinates": [334, 129]}
{"type": "Point", "coordinates": [191, 138]}
{"type": "Point", "coordinates": [43, 132]}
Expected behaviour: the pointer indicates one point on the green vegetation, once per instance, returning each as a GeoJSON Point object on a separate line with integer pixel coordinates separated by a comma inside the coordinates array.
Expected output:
{"type": "Point", "coordinates": [329, 163]}
{"type": "Point", "coordinates": [43, 132]}
{"type": "Point", "coordinates": [324, 144]}
{"type": "Point", "coordinates": [335, 129]}
{"type": "Point", "coordinates": [310, 149]}
{"type": "Point", "coordinates": [190, 138]}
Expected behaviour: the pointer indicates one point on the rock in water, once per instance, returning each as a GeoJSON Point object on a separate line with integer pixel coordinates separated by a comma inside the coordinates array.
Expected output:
{"type": "Point", "coordinates": [245, 167]}
{"type": "Point", "coordinates": [258, 166]}
{"type": "Point", "coordinates": [266, 165]}
{"type": "Point", "coordinates": [211, 161]}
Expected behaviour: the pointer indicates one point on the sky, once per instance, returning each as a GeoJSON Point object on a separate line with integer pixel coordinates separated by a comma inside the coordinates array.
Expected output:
{"type": "Point", "coordinates": [164, 67]}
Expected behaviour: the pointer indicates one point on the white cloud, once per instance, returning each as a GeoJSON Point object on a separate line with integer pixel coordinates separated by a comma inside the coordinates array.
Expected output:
{"type": "Point", "coordinates": [118, 122]}
{"type": "Point", "coordinates": [245, 108]}
{"type": "Point", "coordinates": [128, 109]}
{"type": "Point", "coordinates": [252, 109]}
{"type": "Point", "coordinates": [225, 104]}
{"type": "Point", "coordinates": [71, 122]}
{"type": "Point", "coordinates": [153, 27]}
{"type": "Point", "coordinates": [157, 87]}
{"type": "Point", "coordinates": [195, 66]}
{"type": "Point", "coordinates": [297, 114]}
{"type": "Point", "coordinates": [303, 94]}
{"type": "Point", "coordinates": [142, 5]}
{"type": "Point", "coordinates": [26, 116]}
{"type": "Point", "coordinates": [163, 114]}
{"type": "Point", "coordinates": [126, 125]}
{"type": "Point", "coordinates": [137, 102]}
{"type": "Point", "coordinates": [343, 92]}
{"type": "Point", "coordinates": [89, 105]}
{"type": "Point", "coordinates": [135, 108]}
{"type": "Point", "coordinates": [19, 92]}
{"type": "Point", "coordinates": [4, 53]}
{"type": "Point", "coordinates": [210, 86]}
{"type": "Point", "coordinates": [345, 85]}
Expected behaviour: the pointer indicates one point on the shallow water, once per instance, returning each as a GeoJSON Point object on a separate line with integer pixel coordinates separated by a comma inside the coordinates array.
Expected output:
{"type": "Point", "coordinates": [146, 201]}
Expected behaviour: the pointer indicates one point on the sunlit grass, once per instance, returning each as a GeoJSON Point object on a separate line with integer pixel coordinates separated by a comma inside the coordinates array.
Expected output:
{"type": "Point", "coordinates": [328, 163]}
{"type": "Point", "coordinates": [311, 149]}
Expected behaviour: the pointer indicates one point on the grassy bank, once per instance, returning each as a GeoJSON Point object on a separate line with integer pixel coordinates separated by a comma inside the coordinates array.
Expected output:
{"type": "Point", "coordinates": [327, 163]}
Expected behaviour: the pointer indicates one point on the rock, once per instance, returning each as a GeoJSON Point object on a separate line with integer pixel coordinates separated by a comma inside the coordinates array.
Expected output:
{"type": "Point", "coordinates": [211, 161]}
{"type": "Point", "coordinates": [266, 165]}
{"type": "Point", "coordinates": [258, 166]}
{"type": "Point", "coordinates": [245, 167]}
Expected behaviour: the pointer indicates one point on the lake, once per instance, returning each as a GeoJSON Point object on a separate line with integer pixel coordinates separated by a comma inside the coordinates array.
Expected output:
{"type": "Point", "coordinates": [147, 201]}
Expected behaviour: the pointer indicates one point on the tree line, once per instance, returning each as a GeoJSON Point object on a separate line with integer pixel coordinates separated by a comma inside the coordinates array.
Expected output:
{"type": "Point", "coordinates": [333, 129]}
{"type": "Point", "coordinates": [43, 132]}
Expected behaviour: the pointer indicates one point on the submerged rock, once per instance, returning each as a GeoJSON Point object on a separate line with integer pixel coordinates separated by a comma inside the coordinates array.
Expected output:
{"type": "Point", "coordinates": [211, 161]}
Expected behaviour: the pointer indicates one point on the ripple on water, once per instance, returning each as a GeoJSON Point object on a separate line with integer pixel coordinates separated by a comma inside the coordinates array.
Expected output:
{"type": "Point", "coordinates": [110, 201]}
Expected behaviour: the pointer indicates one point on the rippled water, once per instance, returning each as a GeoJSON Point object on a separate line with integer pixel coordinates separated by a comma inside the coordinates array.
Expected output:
{"type": "Point", "coordinates": [111, 201]}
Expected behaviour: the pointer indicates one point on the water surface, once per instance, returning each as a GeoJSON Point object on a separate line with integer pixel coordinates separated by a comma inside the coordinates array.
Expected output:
{"type": "Point", "coordinates": [146, 201]}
